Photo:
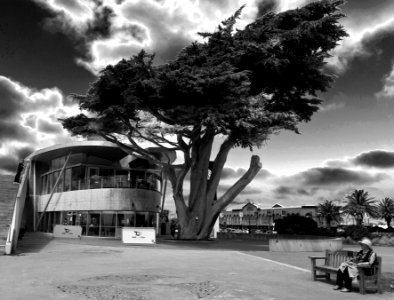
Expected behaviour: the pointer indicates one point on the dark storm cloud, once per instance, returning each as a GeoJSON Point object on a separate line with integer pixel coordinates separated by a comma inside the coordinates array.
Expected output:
{"type": "Point", "coordinates": [249, 190]}
{"type": "Point", "coordinates": [286, 190]}
{"type": "Point", "coordinates": [11, 100]}
{"type": "Point", "coordinates": [13, 131]}
{"type": "Point", "coordinates": [101, 24]}
{"type": "Point", "coordinates": [331, 176]}
{"type": "Point", "coordinates": [23, 152]}
{"type": "Point", "coordinates": [34, 56]}
{"type": "Point", "coordinates": [8, 163]}
{"type": "Point", "coordinates": [137, 32]}
{"type": "Point", "coordinates": [368, 67]}
{"type": "Point", "coordinates": [377, 158]}
{"type": "Point", "coordinates": [266, 6]}
{"type": "Point", "coordinates": [17, 100]}
{"type": "Point", "coordinates": [165, 52]}
{"type": "Point", "coordinates": [230, 173]}
{"type": "Point", "coordinates": [47, 127]}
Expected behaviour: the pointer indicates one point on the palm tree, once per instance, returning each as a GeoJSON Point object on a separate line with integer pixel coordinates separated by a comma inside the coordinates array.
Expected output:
{"type": "Point", "coordinates": [329, 211]}
{"type": "Point", "coordinates": [360, 204]}
{"type": "Point", "coordinates": [386, 210]}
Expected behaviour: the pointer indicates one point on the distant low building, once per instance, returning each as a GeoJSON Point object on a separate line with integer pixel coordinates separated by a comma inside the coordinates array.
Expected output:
{"type": "Point", "coordinates": [253, 216]}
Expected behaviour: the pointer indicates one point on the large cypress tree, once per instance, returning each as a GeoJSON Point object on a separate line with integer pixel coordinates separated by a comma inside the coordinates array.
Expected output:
{"type": "Point", "coordinates": [239, 85]}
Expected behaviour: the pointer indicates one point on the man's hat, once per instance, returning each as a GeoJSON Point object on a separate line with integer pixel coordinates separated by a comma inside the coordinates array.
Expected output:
{"type": "Point", "coordinates": [367, 242]}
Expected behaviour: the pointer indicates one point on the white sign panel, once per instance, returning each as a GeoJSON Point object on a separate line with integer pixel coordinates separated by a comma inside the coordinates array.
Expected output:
{"type": "Point", "coordinates": [66, 231]}
{"type": "Point", "coordinates": [138, 235]}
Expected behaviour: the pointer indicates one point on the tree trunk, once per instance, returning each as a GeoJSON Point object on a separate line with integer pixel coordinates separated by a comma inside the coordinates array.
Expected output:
{"type": "Point", "coordinates": [388, 221]}
{"type": "Point", "coordinates": [196, 222]}
{"type": "Point", "coordinates": [359, 220]}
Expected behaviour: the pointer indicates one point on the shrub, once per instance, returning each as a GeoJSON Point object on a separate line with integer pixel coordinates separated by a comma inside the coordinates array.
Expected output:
{"type": "Point", "coordinates": [356, 232]}
{"type": "Point", "coordinates": [327, 232]}
{"type": "Point", "coordinates": [375, 229]}
{"type": "Point", "coordinates": [296, 224]}
{"type": "Point", "coordinates": [389, 229]}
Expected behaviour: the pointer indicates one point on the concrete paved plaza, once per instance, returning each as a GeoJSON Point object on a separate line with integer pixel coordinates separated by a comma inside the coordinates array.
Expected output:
{"type": "Point", "coordinates": [107, 269]}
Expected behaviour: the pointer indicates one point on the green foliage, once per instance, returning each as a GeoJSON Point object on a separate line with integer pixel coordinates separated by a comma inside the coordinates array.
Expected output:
{"type": "Point", "coordinates": [329, 211]}
{"type": "Point", "coordinates": [356, 232]}
{"type": "Point", "coordinates": [246, 84]}
{"type": "Point", "coordinates": [386, 210]}
{"type": "Point", "coordinates": [360, 204]}
{"type": "Point", "coordinates": [296, 224]}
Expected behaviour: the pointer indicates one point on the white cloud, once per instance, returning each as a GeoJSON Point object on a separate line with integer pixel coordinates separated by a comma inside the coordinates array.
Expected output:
{"type": "Point", "coordinates": [388, 88]}
{"type": "Point", "coordinates": [331, 107]}
{"type": "Point", "coordinates": [162, 27]}
{"type": "Point", "coordinates": [29, 119]}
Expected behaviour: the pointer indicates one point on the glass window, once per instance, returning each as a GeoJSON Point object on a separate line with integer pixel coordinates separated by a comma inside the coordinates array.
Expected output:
{"type": "Point", "coordinates": [57, 217]}
{"type": "Point", "coordinates": [58, 163]}
{"type": "Point", "coordinates": [122, 178]}
{"type": "Point", "coordinates": [78, 178]}
{"type": "Point", "coordinates": [67, 179]}
{"type": "Point", "coordinates": [126, 219]}
{"type": "Point", "coordinates": [49, 183]}
{"type": "Point", "coordinates": [108, 223]}
{"type": "Point", "coordinates": [60, 183]}
{"type": "Point", "coordinates": [94, 178]}
{"type": "Point", "coordinates": [152, 219]}
{"type": "Point", "coordinates": [134, 176]}
{"type": "Point", "coordinates": [141, 219]}
{"type": "Point", "coordinates": [44, 184]}
{"type": "Point", "coordinates": [94, 224]}
{"type": "Point", "coordinates": [82, 220]}
{"type": "Point", "coordinates": [55, 175]}
{"type": "Point", "coordinates": [154, 181]}
{"type": "Point", "coordinates": [107, 176]}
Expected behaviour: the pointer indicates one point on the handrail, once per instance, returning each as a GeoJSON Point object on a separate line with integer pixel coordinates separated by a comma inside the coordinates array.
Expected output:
{"type": "Point", "coordinates": [13, 229]}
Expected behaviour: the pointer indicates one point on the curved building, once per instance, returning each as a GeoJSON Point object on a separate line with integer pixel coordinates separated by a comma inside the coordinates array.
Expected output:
{"type": "Point", "coordinates": [95, 185]}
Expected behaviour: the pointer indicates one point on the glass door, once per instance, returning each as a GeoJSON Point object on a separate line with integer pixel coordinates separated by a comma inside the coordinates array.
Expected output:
{"type": "Point", "coordinates": [94, 224]}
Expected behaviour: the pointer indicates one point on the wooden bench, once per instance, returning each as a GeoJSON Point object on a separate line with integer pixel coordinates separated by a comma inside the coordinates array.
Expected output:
{"type": "Point", "coordinates": [333, 259]}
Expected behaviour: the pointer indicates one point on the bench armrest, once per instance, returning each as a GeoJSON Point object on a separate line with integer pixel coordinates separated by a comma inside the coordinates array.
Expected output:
{"type": "Point", "coordinates": [364, 266]}
{"type": "Point", "coordinates": [317, 257]}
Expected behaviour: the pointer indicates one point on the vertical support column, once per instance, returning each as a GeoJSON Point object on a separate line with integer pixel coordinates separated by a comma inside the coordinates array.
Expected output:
{"type": "Point", "coordinates": [35, 196]}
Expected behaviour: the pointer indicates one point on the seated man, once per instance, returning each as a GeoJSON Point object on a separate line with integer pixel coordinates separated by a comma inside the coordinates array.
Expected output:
{"type": "Point", "coordinates": [348, 270]}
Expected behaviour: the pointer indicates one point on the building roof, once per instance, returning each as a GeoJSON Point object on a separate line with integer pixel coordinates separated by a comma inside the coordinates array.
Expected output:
{"type": "Point", "coordinates": [95, 147]}
{"type": "Point", "coordinates": [98, 148]}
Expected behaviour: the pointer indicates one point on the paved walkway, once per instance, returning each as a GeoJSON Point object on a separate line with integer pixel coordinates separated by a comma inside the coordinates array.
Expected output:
{"type": "Point", "coordinates": [107, 269]}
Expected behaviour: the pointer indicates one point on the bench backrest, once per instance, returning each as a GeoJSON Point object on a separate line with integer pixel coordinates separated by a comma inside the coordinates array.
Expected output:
{"type": "Point", "coordinates": [335, 258]}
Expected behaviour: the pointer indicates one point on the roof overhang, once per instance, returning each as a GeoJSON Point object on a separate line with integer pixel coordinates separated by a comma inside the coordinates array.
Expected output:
{"type": "Point", "coordinates": [103, 149]}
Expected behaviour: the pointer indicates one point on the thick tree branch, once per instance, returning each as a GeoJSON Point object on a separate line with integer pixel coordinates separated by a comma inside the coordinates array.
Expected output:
{"type": "Point", "coordinates": [231, 193]}
{"type": "Point", "coordinates": [217, 168]}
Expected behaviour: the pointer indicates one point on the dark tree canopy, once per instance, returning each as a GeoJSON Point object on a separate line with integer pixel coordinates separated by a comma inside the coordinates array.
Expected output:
{"type": "Point", "coordinates": [241, 85]}
{"type": "Point", "coordinates": [296, 224]}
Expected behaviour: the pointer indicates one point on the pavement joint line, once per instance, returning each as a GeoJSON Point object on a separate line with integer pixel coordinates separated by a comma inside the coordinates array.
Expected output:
{"type": "Point", "coordinates": [276, 262]}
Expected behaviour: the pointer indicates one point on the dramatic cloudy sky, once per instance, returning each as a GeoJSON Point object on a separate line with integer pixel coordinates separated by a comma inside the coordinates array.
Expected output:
{"type": "Point", "coordinates": [51, 48]}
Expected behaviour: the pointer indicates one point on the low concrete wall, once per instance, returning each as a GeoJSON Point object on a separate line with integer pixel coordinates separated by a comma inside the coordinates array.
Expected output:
{"type": "Point", "coordinates": [304, 245]}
